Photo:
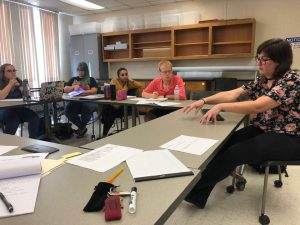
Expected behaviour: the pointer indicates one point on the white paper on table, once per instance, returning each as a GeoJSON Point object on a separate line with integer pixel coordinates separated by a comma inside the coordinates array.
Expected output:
{"type": "Point", "coordinates": [97, 96]}
{"type": "Point", "coordinates": [12, 100]}
{"type": "Point", "coordinates": [156, 164]}
{"type": "Point", "coordinates": [189, 144]}
{"type": "Point", "coordinates": [105, 157]}
{"type": "Point", "coordinates": [137, 99]}
{"type": "Point", "coordinates": [20, 184]}
{"type": "Point", "coordinates": [167, 103]}
{"type": "Point", "coordinates": [6, 148]}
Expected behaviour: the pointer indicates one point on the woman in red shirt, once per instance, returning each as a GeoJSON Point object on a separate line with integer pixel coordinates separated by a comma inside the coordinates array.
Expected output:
{"type": "Point", "coordinates": [163, 87]}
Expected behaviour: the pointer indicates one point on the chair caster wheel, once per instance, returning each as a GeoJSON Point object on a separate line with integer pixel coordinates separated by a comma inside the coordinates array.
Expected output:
{"type": "Point", "coordinates": [93, 137]}
{"type": "Point", "coordinates": [278, 183]}
{"type": "Point", "coordinates": [230, 189]}
{"type": "Point", "coordinates": [240, 185]}
{"type": "Point", "coordinates": [264, 219]}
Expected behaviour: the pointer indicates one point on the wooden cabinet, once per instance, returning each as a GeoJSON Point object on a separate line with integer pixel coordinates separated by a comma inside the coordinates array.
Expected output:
{"type": "Point", "coordinates": [111, 55]}
{"type": "Point", "coordinates": [154, 44]}
{"type": "Point", "coordinates": [210, 39]}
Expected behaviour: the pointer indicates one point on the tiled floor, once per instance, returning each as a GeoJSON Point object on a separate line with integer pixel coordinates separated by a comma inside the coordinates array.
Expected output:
{"type": "Point", "coordinates": [239, 208]}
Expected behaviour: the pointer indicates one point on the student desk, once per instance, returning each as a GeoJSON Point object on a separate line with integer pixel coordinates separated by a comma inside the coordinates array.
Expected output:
{"type": "Point", "coordinates": [150, 135]}
{"type": "Point", "coordinates": [63, 193]}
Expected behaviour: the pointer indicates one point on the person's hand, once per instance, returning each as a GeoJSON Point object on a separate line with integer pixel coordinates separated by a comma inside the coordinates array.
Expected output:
{"type": "Point", "coordinates": [211, 115]}
{"type": "Point", "coordinates": [195, 105]}
{"type": "Point", "coordinates": [155, 94]}
{"type": "Point", "coordinates": [14, 82]}
{"type": "Point", "coordinates": [76, 86]}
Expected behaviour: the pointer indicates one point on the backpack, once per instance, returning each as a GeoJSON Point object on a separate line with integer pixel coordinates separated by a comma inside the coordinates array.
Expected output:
{"type": "Point", "coordinates": [273, 169]}
{"type": "Point", "coordinates": [63, 130]}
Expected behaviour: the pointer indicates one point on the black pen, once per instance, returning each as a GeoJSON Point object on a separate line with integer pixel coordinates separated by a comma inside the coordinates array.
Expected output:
{"type": "Point", "coordinates": [8, 205]}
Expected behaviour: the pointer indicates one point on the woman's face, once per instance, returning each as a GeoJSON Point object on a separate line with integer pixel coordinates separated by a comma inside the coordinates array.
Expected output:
{"type": "Point", "coordinates": [81, 73]}
{"type": "Point", "coordinates": [266, 66]}
{"type": "Point", "coordinates": [123, 75]}
{"type": "Point", "coordinates": [166, 72]}
{"type": "Point", "coordinates": [10, 72]}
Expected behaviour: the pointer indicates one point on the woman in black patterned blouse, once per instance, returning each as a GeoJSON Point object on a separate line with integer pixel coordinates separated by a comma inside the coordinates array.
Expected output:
{"type": "Point", "coordinates": [274, 133]}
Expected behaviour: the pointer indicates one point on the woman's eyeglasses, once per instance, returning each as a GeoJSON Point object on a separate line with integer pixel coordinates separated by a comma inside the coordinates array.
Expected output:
{"type": "Point", "coordinates": [261, 60]}
{"type": "Point", "coordinates": [9, 71]}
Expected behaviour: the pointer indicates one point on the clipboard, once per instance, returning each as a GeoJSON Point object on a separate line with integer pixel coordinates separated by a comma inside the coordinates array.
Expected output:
{"type": "Point", "coordinates": [40, 149]}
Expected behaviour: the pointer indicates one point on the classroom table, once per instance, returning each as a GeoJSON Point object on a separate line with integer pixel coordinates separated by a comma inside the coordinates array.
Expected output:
{"type": "Point", "coordinates": [150, 135]}
{"type": "Point", "coordinates": [63, 193]}
{"type": "Point", "coordinates": [128, 103]}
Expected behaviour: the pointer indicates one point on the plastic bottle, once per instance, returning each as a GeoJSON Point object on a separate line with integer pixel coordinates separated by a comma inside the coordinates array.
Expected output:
{"type": "Point", "coordinates": [26, 90]}
{"type": "Point", "coordinates": [176, 92]}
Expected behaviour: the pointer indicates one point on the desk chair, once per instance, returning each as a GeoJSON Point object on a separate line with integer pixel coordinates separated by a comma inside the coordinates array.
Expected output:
{"type": "Point", "coordinates": [263, 218]}
{"type": "Point", "coordinates": [196, 95]}
{"type": "Point", "coordinates": [225, 84]}
{"type": "Point", "coordinates": [188, 93]}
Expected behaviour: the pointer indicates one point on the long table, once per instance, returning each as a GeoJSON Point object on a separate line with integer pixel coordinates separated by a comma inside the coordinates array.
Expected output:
{"type": "Point", "coordinates": [63, 194]}
{"type": "Point", "coordinates": [151, 135]}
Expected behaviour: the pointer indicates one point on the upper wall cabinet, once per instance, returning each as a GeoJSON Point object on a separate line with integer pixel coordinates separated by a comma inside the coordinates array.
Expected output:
{"type": "Point", "coordinates": [208, 39]}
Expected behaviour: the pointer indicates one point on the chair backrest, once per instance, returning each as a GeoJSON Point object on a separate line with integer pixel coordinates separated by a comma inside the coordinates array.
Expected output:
{"type": "Point", "coordinates": [188, 93]}
{"type": "Point", "coordinates": [225, 84]}
{"type": "Point", "coordinates": [202, 94]}
{"type": "Point", "coordinates": [133, 92]}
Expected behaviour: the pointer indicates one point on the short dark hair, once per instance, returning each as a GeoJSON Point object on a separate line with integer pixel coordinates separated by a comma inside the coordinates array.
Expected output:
{"type": "Point", "coordinates": [280, 51]}
{"type": "Point", "coordinates": [120, 69]}
{"type": "Point", "coordinates": [83, 67]}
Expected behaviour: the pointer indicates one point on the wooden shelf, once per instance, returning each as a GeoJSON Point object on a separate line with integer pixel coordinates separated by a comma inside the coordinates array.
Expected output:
{"type": "Point", "coordinates": [114, 50]}
{"type": "Point", "coordinates": [210, 39]}
{"type": "Point", "coordinates": [232, 42]}
{"type": "Point", "coordinates": [196, 43]}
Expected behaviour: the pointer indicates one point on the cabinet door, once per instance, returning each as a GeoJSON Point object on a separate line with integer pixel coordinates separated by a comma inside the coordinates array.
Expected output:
{"type": "Point", "coordinates": [77, 52]}
{"type": "Point", "coordinates": [91, 53]}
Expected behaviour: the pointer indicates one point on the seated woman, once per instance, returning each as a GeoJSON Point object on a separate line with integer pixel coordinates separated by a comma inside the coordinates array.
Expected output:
{"type": "Point", "coordinates": [73, 109]}
{"type": "Point", "coordinates": [163, 86]}
{"type": "Point", "coordinates": [11, 87]}
{"type": "Point", "coordinates": [110, 112]}
{"type": "Point", "coordinates": [274, 133]}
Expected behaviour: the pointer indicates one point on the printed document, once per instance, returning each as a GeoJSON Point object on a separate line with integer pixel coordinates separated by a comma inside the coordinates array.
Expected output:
{"type": "Point", "coordinates": [156, 164]}
{"type": "Point", "coordinates": [104, 158]}
{"type": "Point", "coordinates": [19, 182]}
{"type": "Point", "coordinates": [5, 148]}
{"type": "Point", "coordinates": [189, 144]}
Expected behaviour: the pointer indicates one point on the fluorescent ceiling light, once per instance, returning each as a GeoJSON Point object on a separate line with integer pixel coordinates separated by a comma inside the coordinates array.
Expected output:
{"type": "Point", "coordinates": [83, 4]}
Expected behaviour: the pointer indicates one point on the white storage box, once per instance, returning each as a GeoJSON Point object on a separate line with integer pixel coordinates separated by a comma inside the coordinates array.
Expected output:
{"type": "Point", "coordinates": [115, 24]}
{"type": "Point", "coordinates": [85, 28]}
{"type": "Point", "coordinates": [186, 18]}
{"type": "Point", "coordinates": [136, 22]}
{"type": "Point", "coordinates": [121, 46]}
{"type": "Point", "coordinates": [152, 20]}
{"type": "Point", "coordinates": [109, 47]}
{"type": "Point", "coordinates": [75, 29]}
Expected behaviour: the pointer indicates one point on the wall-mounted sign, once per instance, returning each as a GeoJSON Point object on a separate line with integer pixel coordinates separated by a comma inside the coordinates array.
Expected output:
{"type": "Point", "coordinates": [294, 41]}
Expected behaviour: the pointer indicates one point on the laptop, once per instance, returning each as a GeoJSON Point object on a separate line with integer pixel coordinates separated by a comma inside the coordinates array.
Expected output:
{"type": "Point", "coordinates": [51, 90]}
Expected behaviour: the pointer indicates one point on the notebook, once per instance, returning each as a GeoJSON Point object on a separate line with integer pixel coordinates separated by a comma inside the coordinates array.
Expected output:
{"type": "Point", "coordinates": [52, 90]}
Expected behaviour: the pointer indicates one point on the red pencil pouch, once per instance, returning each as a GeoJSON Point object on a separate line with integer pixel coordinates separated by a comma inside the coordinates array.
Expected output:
{"type": "Point", "coordinates": [112, 207]}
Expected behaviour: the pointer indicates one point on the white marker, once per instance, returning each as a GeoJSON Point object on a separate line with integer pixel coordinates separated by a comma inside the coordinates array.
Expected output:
{"type": "Point", "coordinates": [132, 202]}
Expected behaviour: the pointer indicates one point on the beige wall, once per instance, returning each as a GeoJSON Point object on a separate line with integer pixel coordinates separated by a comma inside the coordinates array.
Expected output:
{"type": "Point", "coordinates": [274, 19]}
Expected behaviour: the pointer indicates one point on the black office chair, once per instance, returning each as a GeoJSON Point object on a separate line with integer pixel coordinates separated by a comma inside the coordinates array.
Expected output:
{"type": "Point", "coordinates": [225, 84]}
{"type": "Point", "coordinates": [263, 218]}
{"type": "Point", "coordinates": [188, 93]}
{"type": "Point", "coordinates": [196, 95]}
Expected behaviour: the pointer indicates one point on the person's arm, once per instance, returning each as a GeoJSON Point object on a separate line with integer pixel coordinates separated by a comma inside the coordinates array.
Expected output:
{"type": "Point", "coordinates": [134, 84]}
{"type": "Point", "coordinates": [71, 86]}
{"type": "Point", "coordinates": [225, 96]}
{"type": "Point", "coordinates": [262, 104]}
{"type": "Point", "coordinates": [92, 91]}
{"type": "Point", "coordinates": [5, 91]}
{"type": "Point", "coordinates": [149, 91]}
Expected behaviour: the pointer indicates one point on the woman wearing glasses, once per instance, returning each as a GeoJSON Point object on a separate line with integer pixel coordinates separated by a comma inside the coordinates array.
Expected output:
{"type": "Point", "coordinates": [163, 87]}
{"type": "Point", "coordinates": [11, 87]}
{"type": "Point", "coordinates": [274, 133]}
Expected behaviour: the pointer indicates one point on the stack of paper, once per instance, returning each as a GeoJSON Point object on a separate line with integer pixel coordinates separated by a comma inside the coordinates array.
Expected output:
{"type": "Point", "coordinates": [19, 182]}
